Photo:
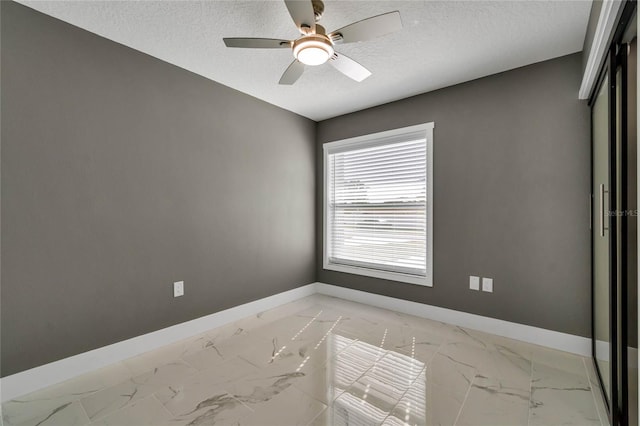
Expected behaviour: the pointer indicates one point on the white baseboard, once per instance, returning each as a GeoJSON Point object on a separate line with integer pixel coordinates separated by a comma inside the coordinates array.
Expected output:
{"type": "Point", "coordinates": [56, 372]}
{"type": "Point", "coordinates": [539, 336]}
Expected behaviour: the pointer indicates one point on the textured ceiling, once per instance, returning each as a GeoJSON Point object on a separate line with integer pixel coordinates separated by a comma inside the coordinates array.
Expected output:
{"type": "Point", "coordinates": [442, 43]}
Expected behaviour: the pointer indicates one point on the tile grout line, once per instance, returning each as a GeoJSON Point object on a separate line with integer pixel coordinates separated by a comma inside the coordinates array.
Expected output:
{"type": "Point", "coordinates": [530, 391]}
{"type": "Point", "coordinates": [245, 405]}
{"type": "Point", "coordinates": [314, 418]}
{"type": "Point", "coordinates": [188, 363]}
{"type": "Point", "coordinates": [444, 341]}
{"type": "Point", "coordinates": [323, 367]}
{"type": "Point", "coordinates": [84, 410]}
{"type": "Point", "coordinates": [153, 395]}
{"type": "Point", "coordinates": [593, 394]}
{"type": "Point", "coordinates": [466, 395]}
{"type": "Point", "coordinates": [122, 408]}
{"type": "Point", "coordinates": [424, 369]}
{"type": "Point", "coordinates": [96, 416]}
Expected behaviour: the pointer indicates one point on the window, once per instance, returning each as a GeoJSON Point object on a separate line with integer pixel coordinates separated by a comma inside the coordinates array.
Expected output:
{"type": "Point", "coordinates": [378, 205]}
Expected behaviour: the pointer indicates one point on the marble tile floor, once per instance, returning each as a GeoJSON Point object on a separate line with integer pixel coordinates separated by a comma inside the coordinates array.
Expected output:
{"type": "Point", "coordinates": [324, 361]}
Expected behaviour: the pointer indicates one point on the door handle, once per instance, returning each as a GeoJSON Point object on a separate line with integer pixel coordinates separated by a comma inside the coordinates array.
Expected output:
{"type": "Point", "coordinates": [602, 227]}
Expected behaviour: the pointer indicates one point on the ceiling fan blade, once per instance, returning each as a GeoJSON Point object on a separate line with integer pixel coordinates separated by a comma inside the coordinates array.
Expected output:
{"type": "Point", "coordinates": [301, 12]}
{"type": "Point", "coordinates": [256, 43]}
{"type": "Point", "coordinates": [292, 73]}
{"type": "Point", "coordinates": [369, 28]}
{"type": "Point", "coordinates": [349, 67]}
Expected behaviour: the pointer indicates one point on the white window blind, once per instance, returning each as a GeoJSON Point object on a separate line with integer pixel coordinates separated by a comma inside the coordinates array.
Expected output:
{"type": "Point", "coordinates": [376, 204]}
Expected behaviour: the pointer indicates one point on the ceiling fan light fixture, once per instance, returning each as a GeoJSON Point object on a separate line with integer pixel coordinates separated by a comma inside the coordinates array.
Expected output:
{"type": "Point", "coordinates": [313, 50]}
{"type": "Point", "coordinates": [315, 46]}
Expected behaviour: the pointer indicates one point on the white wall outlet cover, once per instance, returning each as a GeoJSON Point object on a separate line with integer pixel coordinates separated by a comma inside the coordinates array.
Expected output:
{"type": "Point", "coordinates": [487, 285]}
{"type": "Point", "coordinates": [474, 283]}
{"type": "Point", "coordinates": [178, 288]}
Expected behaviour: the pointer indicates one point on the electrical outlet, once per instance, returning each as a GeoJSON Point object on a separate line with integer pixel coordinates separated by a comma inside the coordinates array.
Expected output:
{"type": "Point", "coordinates": [474, 283]}
{"type": "Point", "coordinates": [487, 285]}
{"type": "Point", "coordinates": [178, 288]}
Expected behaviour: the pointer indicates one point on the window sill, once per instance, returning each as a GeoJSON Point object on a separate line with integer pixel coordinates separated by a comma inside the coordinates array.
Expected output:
{"type": "Point", "coordinates": [392, 276]}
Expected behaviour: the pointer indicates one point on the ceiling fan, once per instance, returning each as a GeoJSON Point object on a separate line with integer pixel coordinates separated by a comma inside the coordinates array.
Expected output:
{"type": "Point", "coordinates": [315, 46]}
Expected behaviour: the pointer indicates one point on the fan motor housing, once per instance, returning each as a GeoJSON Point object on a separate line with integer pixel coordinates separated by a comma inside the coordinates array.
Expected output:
{"type": "Point", "coordinates": [318, 41]}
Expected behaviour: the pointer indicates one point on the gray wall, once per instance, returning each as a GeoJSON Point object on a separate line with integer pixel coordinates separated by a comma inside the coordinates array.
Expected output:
{"type": "Point", "coordinates": [511, 193]}
{"type": "Point", "coordinates": [121, 174]}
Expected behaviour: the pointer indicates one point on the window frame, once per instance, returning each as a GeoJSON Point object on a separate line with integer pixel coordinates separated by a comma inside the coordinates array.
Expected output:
{"type": "Point", "coordinates": [381, 138]}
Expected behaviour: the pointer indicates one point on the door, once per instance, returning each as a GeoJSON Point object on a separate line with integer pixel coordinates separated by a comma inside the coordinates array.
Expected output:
{"type": "Point", "coordinates": [601, 235]}
{"type": "Point", "coordinates": [611, 235]}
